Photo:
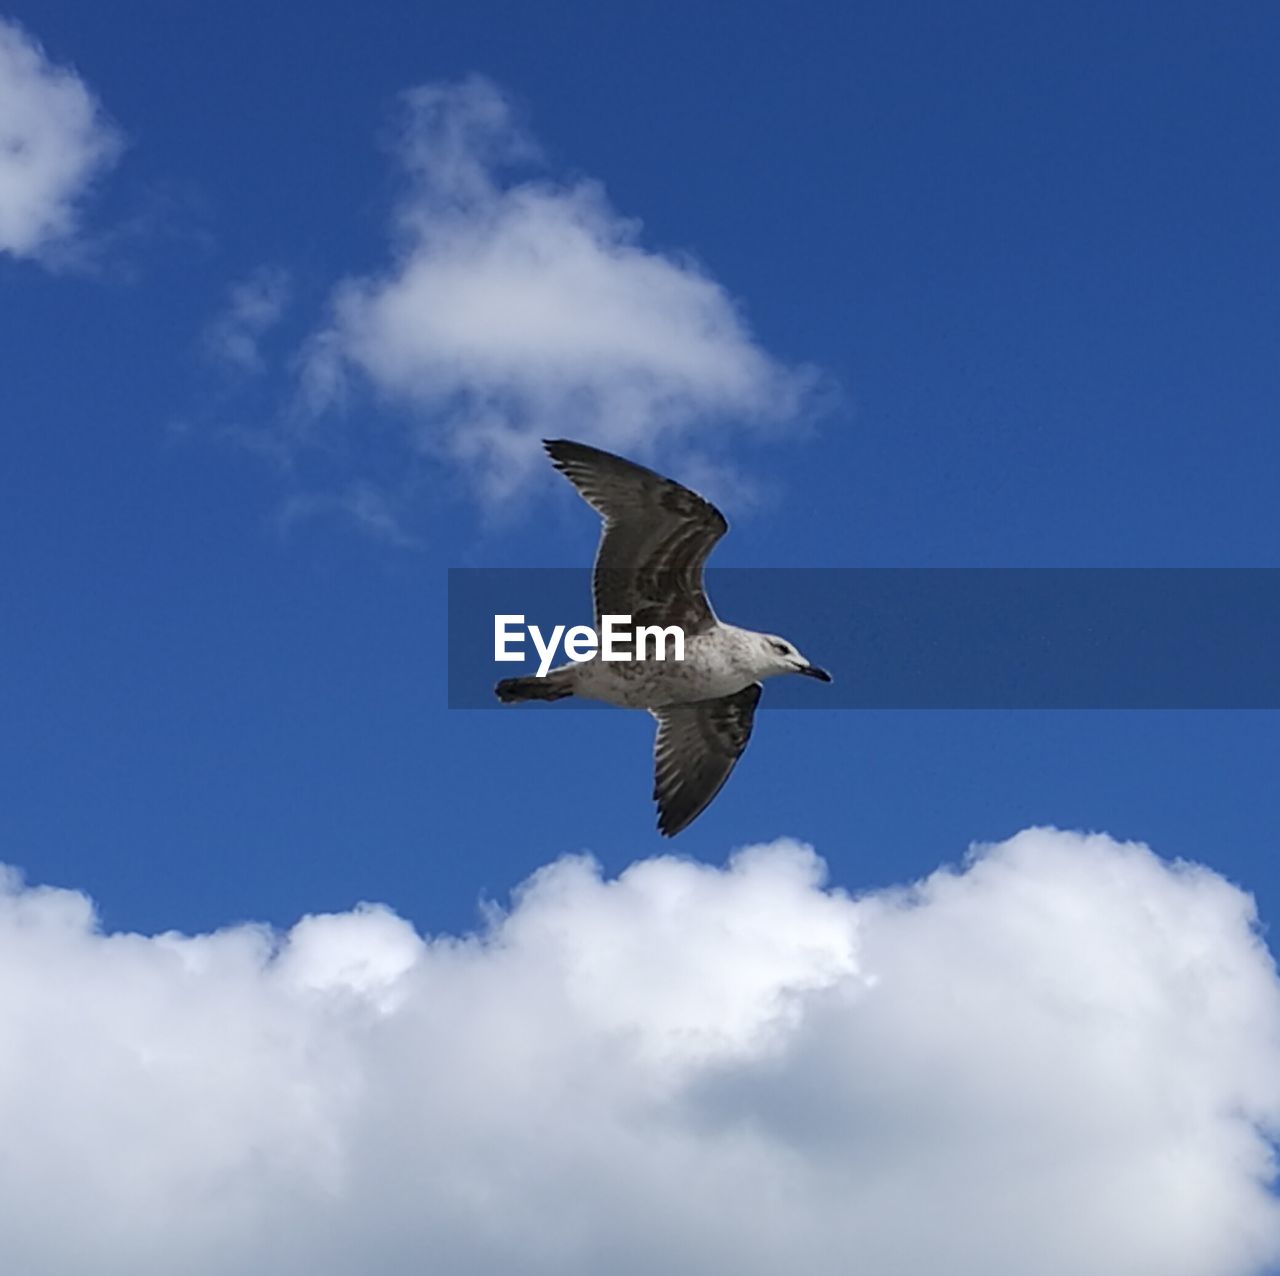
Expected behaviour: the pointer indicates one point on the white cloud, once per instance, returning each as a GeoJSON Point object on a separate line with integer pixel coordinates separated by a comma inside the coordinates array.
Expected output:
{"type": "Point", "coordinates": [254, 306]}
{"type": "Point", "coordinates": [54, 141]}
{"type": "Point", "coordinates": [514, 309]}
{"type": "Point", "coordinates": [1062, 1059]}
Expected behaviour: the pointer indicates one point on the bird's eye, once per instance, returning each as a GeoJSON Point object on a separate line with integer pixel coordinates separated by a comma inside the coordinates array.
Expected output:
{"type": "Point", "coordinates": [780, 648]}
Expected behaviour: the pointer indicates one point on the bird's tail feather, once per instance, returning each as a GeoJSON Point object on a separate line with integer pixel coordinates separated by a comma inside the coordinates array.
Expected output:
{"type": "Point", "coordinates": [553, 686]}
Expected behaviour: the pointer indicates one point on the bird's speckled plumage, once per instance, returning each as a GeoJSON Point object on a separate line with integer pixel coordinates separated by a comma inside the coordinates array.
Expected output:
{"type": "Point", "coordinates": [654, 543]}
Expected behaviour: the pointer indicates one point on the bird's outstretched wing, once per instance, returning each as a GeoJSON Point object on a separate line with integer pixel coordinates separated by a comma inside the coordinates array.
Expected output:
{"type": "Point", "coordinates": [697, 746]}
{"type": "Point", "coordinates": [656, 538]}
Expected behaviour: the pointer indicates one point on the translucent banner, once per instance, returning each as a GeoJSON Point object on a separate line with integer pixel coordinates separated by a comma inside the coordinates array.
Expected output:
{"type": "Point", "coordinates": [1129, 638]}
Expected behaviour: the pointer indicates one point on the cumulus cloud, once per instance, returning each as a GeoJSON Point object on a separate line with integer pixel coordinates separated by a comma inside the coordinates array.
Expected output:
{"type": "Point", "coordinates": [517, 307]}
{"type": "Point", "coordinates": [54, 140]}
{"type": "Point", "coordinates": [1063, 1057]}
{"type": "Point", "coordinates": [254, 306]}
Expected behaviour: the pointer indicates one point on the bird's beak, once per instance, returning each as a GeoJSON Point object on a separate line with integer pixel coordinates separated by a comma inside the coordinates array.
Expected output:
{"type": "Point", "coordinates": [812, 671]}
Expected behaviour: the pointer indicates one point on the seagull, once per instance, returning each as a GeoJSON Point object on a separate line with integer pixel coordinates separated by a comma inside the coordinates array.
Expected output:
{"type": "Point", "coordinates": [656, 537]}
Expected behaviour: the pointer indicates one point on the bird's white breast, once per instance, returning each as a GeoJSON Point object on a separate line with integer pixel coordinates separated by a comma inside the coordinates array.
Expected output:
{"type": "Point", "coordinates": [715, 664]}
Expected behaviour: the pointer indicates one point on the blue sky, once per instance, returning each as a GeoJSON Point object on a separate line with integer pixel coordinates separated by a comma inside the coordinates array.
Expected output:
{"type": "Point", "coordinates": [991, 285]}
{"type": "Point", "coordinates": [1035, 255]}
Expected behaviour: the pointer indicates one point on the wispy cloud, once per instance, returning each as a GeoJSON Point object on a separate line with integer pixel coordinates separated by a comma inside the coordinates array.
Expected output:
{"type": "Point", "coordinates": [1064, 1057]}
{"type": "Point", "coordinates": [254, 306]}
{"type": "Point", "coordinates": [518, 304]}
{"type": "Point", "coordinates": [54, 141]}
{"type": "Point", "coordinates": [364, 505]}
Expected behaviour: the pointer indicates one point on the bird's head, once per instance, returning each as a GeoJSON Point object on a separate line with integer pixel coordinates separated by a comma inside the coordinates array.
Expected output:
{"type": "Point", "coordinates": [777, 655]}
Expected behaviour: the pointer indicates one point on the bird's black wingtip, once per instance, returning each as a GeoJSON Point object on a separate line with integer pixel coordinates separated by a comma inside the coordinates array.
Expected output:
{"type": "Point", "coordinates": [559, 450]}
{"type": "Point", "coordinates": [566, 449]}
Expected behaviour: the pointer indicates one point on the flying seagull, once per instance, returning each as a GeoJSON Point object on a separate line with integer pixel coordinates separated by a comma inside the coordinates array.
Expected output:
{"type": "Point", "coordinates": [656, 538]}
